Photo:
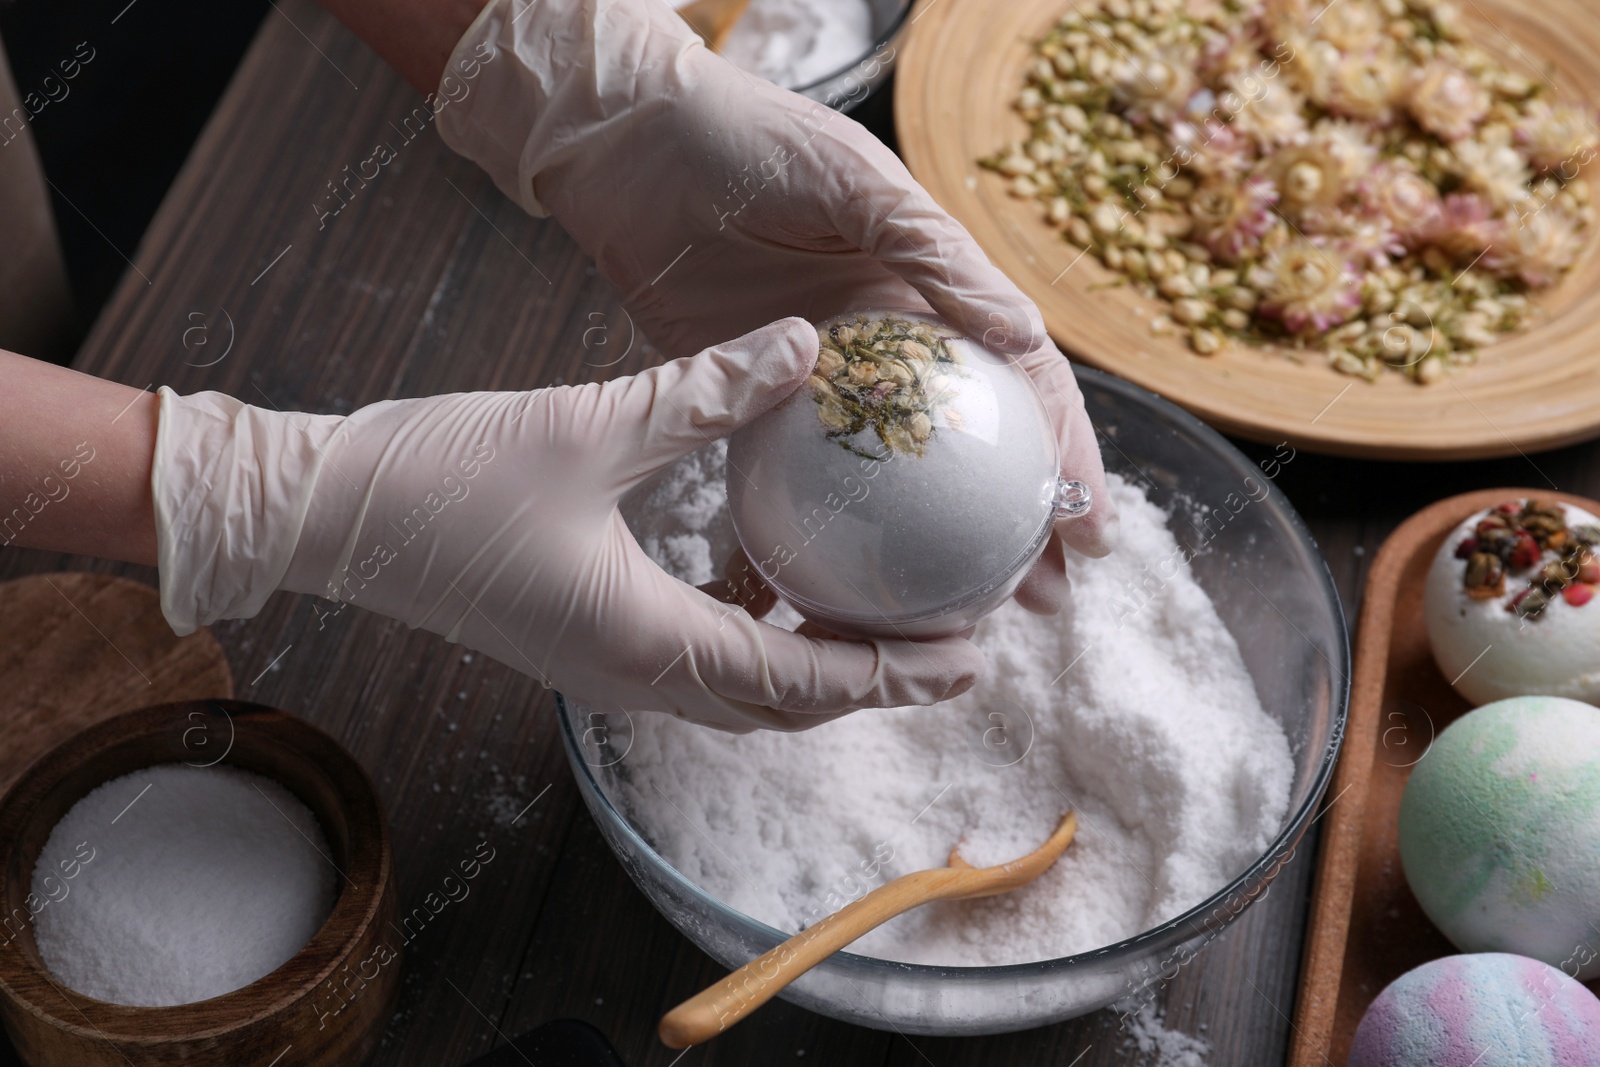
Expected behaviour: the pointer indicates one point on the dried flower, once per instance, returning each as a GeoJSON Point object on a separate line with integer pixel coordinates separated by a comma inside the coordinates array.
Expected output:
{"type": "Point", "coordinates": [1498, 171]}
{"type": "Point", "coordinates": [1446, 100]}
{"type": "Point", "coordinates": [1308, 288]}
{"type": "Point", "coordinates": [1350, 25]}
{"type": "Point", "coordinates": [1411, 203]}
{"type": "Point", "coordinates": [1369, 241]}
{"type": "Point", "coordinates": [1310, 181]}
{"type": "Point", "coordinates": [1314, 68]}
{"type": "Point", "coordinates": [1557, 134]}
{"type": "Point", "coordinates": [1466, 225]}
{"type": "Point", "coordinates": [865, 380]}
{"type": "Point", "coordinates": [1272, 113]}
{"type": "Point", "coordinates": [1537, 248]}
{"type": "Point", "coordinates": [1230, 217]}
{"type": "Point", "coordinates": [1366, 86]}
{"type": "Point", "coordinates": [1157, 85]}
{"type": "Point", "coordinates": [1350, 143]}
{"type": "Point", "coordinates": [1213, 150]}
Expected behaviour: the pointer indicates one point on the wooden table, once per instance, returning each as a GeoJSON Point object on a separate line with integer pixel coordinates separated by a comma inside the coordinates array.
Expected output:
{"type": "Point", "coordinates": [429, 281]}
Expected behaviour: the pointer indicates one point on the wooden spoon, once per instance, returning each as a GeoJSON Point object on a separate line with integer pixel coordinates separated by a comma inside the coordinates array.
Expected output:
{"type": "Point", "coordinates": [712, 19]}
{"type": "Point", "coordinates": [715, 1009]}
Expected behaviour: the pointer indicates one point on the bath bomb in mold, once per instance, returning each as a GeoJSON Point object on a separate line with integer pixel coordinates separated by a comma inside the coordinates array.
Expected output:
{"type": "Point", "coordinates": [1500, 832]}
{"type": "Point", "coordinates": [907, 488]}
{"type": "Point", "coordinates": [1486, 1010]}
{"type": "Point", "coordinates": [1490, 650]}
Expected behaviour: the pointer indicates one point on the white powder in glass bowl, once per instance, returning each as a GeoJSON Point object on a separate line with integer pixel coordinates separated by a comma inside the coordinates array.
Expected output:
{"type": "Point", "coordinates": [1144, 721]}
{"type": "Point", "coordinates": [794, 43]}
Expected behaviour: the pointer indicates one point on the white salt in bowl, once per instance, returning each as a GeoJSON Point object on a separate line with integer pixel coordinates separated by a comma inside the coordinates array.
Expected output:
{"type": "Point", "coordinates": [329, 1001]}
{"type": "Point", "coordinates": [1294, 647]}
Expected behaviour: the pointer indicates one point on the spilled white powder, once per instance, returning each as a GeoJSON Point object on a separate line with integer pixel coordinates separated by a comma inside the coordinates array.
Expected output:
{"type": "Point", "coordinates": [794, 43]}
{"type": "Point", "coordinates": [1160, 1047]}
{"type": "Point", "coordinates": [1152, 731]}
{"type": "Point", "coordinates": [177, 883]}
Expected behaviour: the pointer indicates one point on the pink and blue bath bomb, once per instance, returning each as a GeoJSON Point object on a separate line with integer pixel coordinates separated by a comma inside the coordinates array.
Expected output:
{"type": "Point", "coordinates": [1491, 1009]}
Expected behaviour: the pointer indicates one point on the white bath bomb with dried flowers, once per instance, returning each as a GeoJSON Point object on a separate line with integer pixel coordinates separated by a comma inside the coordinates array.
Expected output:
{"type": "Point", "coordinates": [906, 488]}
{"type": "Point", "coordinates": [1511, 607]}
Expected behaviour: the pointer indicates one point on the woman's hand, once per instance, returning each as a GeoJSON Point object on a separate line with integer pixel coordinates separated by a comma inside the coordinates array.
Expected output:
{"type": "Point", "coordinates": [715, 201]}
{"type": "Point", "coordinates": [491, 518]}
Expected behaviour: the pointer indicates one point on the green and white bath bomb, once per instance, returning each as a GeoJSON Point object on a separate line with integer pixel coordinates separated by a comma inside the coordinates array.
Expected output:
{"type": "Point", "coordinates": [1500, 831]}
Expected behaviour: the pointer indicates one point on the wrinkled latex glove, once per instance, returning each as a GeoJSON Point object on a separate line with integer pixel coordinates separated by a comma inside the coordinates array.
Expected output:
{"type": "Point", "coordinates": [491, 518]}
{"type": "Point", "coordinates": [715, 201]}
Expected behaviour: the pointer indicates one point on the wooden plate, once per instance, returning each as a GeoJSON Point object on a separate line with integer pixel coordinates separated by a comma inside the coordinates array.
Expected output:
{"type": "Point", "coordinates": [961, 67]}
{"type": "Point", "coordinates": [78, 648]}
{"type": "Point", "coordinates": [1366, 929]}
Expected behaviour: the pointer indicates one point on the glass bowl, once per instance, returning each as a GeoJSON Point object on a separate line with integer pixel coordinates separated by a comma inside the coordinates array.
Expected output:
{"type": "Point", "coordinates": [1294, 645]}
{"type": "Point", "coordinates": [846, 88]}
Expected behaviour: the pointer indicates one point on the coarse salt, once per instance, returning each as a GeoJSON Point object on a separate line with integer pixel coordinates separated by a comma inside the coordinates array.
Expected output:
{"type": "Point", "coordinates": [1144, 721]}
{"type": "Point", "coordinates": [199, 881]}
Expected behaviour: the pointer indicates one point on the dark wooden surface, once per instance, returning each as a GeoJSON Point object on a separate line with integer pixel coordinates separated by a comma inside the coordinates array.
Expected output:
{"type": "Point", "coordinates": [430, 281]}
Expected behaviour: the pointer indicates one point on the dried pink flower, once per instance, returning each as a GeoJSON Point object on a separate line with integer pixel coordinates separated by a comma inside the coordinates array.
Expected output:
{"type": "Point", "coordinates": [1309, 288]}
{"type": "Point", "coordinates": [1213, 150]}
{"type": "Point", "coordinates": [1409, 202]}
{"type": "Point", "coordinates": [1466, 226]}
{"type": "Point", "coordinates": [1558, 136]}
{"type": "Point", "coordinates": [1230, 216]}
{"type": "Point", "coordinates": [1446, 100]}
{"type": "Point", "coordinates": [1368, 240]}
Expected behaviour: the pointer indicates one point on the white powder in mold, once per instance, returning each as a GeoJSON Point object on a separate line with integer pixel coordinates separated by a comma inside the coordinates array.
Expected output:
{"type": "Point", "coordinates": [199, 880]}
{"type": "Point", "coordinates": [1152, 731]}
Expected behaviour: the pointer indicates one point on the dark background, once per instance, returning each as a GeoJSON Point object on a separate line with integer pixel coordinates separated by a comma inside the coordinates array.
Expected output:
{"type": "Point", "coordinates": [113, 144]}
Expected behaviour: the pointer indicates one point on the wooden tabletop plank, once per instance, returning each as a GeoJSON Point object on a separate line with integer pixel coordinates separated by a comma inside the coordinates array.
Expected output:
{"type": "Point", "coordinates": [429, 281]}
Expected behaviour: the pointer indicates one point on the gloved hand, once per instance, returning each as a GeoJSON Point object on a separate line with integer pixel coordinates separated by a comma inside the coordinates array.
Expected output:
{"type": "Point", "coordinates": [491, 518]}
{"type": "Point", "coordinates": [715, 202]}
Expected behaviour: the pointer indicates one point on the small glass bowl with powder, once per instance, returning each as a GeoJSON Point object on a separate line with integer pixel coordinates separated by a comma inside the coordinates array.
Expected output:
{"type": "Point", "coordinates": [833, 51]}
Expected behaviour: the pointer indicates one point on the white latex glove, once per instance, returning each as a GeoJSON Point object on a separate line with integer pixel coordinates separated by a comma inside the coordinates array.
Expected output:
{"type": "Point", "coordinates": [715, 202]}
{"type": "Point", "coordinates": [491, 518]}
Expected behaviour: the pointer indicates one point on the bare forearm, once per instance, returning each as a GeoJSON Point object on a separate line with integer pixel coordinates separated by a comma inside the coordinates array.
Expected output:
{"type": "Point", "coordinates": [415, 37]}
{"type": "Point", "coordinates": [75, 455]}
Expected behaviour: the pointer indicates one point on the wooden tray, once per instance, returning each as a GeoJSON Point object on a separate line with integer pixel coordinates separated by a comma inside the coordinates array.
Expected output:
{"type": "Point", "coordinates": [1365, 928]}
{"type": "Point", "coordinates": [77, 648]}
{"type": "Point", "coordinates": [958, 72]}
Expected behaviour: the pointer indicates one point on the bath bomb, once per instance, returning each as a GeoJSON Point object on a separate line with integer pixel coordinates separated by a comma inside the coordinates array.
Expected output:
{"type": "Point", "coordinates": [906, 488]}
{"type": "Point", "coordinates": [1511, 603]}
{"type": "Point", "coordinates": [1488, 1010]}
{"type": "Point", "coordinates": [1500, 831]}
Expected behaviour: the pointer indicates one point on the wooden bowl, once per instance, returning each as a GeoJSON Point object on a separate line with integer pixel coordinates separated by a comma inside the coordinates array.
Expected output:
{"type": "Point", "coordinates": [961, 68]}
{"type": "Point", "coordinates": [327, 1005]}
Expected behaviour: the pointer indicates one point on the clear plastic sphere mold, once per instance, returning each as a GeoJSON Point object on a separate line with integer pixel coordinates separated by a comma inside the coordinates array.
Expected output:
{"type": "Point", "coordinates": [907, 488]}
